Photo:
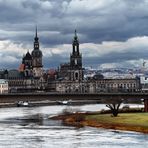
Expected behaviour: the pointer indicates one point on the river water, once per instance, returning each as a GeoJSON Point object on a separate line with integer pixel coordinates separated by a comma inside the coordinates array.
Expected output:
{"type": "Point", "coordinates": [31, 128]}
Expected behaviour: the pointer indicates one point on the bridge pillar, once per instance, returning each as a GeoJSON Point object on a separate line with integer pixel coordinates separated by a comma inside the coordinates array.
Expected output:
{"type": "Point", "coordinates": [146, 105]}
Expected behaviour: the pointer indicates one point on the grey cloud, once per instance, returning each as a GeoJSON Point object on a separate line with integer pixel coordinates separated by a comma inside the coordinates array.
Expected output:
{"type": "Point", "coordinates": [108, 23]}
{"type": "Point", "coordinates": [116, 20]}
{"type": "Point", "coordinates": [116, 57]}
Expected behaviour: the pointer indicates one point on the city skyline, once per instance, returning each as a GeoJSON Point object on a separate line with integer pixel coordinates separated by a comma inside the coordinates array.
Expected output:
{"type": "Point", "coordinates": [112, 33]}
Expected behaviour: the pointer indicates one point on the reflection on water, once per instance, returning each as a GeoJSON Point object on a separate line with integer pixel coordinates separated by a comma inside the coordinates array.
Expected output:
{"type": "Point", "coordinates": [30, 128]}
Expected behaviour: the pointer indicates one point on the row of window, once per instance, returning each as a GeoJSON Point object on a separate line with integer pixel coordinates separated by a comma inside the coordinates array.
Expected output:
{"type": "Point", "coordinates": [3, 91]}
{"type": "Point", "coordinates": [4, 86]}
{"type": "Point", "coordinates": [129, 85]}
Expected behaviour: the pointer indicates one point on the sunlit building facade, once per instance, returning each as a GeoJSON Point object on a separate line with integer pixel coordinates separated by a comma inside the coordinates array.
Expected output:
{"type": "Point", "coordinates": [4, 88]}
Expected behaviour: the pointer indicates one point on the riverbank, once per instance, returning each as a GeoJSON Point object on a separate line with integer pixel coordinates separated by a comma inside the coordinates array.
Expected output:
{"type": "Point", "coordinates": [137, 122]}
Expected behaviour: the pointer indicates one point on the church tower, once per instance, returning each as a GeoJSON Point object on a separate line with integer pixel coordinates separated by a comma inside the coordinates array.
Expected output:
{"type": "Point", "coordinates": [37, 58]}
{"type": "Point", "coordinates": [27, 65]}
{"type": "Point", "coordinates": [76, 70]}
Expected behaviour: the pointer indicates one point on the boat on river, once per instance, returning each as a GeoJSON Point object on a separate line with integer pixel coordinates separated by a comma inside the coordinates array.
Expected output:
{"type": "Point", "coordinates": [22, 104]}
{"type": "Point", "coordinates": [65, 102]}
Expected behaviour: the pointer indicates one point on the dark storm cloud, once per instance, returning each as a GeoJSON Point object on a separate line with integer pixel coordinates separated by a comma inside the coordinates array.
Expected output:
{"type": "Point", "coordinates": [120, 20]}
{"type": "Point", "coordinates": [96, 21]}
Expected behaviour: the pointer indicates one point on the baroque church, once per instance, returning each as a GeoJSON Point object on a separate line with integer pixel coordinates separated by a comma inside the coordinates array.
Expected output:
{"type": "Point", "coordinates": [32, 63]}
{"type": "Point", "coordinates": [30, 76]}
{"type": "Point", "coordinates": [72, 74]}
{"type": "Point", "coordinates": [76, 70]}
{"type": "Point", "coordinates": [73, 70]}
{"type": "Point", "coordinates": [71, 77]}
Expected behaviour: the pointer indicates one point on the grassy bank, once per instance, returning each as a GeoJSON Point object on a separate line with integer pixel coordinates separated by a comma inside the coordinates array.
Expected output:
{"type": "Point", "coordinates": [124, 121]}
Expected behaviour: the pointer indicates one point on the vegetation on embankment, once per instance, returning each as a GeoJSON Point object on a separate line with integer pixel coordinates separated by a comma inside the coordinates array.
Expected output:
{"type": "Point", "coordinates": [124, 121]}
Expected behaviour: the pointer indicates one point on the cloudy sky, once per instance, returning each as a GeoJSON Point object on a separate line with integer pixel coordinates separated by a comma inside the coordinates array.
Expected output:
{"type": "Point", "coordinates": [112, 33]}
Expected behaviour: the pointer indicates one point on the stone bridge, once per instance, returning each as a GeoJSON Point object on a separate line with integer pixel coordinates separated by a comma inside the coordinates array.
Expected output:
{"type": "Point", "coordinates": [135, 97]}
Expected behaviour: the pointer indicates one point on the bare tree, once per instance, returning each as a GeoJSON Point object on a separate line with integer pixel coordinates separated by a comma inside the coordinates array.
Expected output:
{"type": "Point", "coordinates": [113, 105]}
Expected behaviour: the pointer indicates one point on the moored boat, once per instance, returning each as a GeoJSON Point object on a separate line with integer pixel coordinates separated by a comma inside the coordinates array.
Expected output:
{"type": "Point", "coordinates": [22, 104]}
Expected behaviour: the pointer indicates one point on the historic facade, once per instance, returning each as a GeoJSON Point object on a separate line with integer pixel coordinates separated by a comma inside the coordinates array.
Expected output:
{"type": "Point", "coordinates": [26, 66]}
{"type": "Point", "coordinates": [71, 77]}
{"type": "Point", "coordinates": [68, 78]}
{"type": "Point", "coordinates": [73, 70]}
{"type": "Point", "coordinates": [37, 58]}
{"type": "Point", "coordinates": [30, 76]}
{"type": "Point", "coordinates": [3, 86]}
{"type": "Point", "coordinates": [32, 63]}
{"type": "Point", "coordinates": [76, 70]}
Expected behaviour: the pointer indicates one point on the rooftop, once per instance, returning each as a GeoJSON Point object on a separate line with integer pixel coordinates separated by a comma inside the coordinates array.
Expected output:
{"type": "Point", "coordinates": [3, 81]}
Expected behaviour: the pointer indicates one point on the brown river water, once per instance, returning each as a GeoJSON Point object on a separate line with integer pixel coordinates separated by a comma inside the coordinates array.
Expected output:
{"type": "Point", "coordinates": [29, 127]}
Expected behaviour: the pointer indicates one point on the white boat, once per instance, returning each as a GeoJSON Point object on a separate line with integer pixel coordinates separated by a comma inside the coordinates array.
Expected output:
{"type": "Point", "coordinates": [22, 104]}
{"type": "Point", "coordinates": [65, 102]}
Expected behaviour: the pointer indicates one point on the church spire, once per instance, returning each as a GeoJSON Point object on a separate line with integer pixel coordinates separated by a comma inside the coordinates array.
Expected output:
{"type": "Point", "coordinates": [75, 33]}
{"type": "Point", "coordinates": [75, 44]}
{"type": "Point", "coordinates": [36, 39]}
{"type": "Point", "coordinates": [36, 34]}
{"type": "Point", "coordinates": [75, 37]}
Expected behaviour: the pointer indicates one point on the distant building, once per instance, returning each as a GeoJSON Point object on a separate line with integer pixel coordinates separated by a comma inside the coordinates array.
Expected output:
{"type": "Point", "coordinates": [32, 63]}
{"type": "Point", "coordinates": [99, 86]}
{"type": "Point", "coordinates": [76, 70]}
{"type": "Point", "coordinates": [68, 78]}
{"type": "Point", "coordinates": [73, 70]}
{"type": "Point", "coordinates": [37, 58]}
{"type": "Point", "coordinates": [26, 67]}
{"type": "Point", "coordinates": [114, 85]}
{"type": "Point", "coordinates": [144, 83]}
{"type": "Point", "coordinates": [71, 78]}
{"type": "Point", "coordinates": [30, 76]}
{"type": "Point", "coordinates": [3, 86]}
{"type": "Point", "coordinates": [4, 74]}
{"type": "Point", "coordinates": [70, 75]}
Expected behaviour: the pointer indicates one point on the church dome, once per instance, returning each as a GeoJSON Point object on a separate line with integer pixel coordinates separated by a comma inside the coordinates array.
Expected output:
{"type": "Point", "coordinates": [36, 53]}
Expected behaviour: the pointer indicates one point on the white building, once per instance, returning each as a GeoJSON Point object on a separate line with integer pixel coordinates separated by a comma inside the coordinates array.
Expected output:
{"type": "Point", "coordinates": [144, 83]}
{"type": "Point", "coordinates": [3, 86]}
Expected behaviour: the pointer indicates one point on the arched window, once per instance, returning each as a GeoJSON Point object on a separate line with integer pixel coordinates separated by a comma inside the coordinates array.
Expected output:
{"type": "Point", "coordinates": [76, 75]}
{"type": "Point", "coordinates": [76, 62]}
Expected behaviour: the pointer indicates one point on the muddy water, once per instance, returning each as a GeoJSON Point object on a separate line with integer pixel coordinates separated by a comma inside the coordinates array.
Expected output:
{"type": "Point", "coordinates": [31, 128]}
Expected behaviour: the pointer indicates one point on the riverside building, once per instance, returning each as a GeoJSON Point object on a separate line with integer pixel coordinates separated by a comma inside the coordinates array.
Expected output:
{"type": "Point", "coordinates": [68, 78]}
{"type": "Point", "coordinates": [3, 86]}
{"type": "Point", "coordinates": [71, 77]}
{"type": "Point", "coordinates": [30, 76]}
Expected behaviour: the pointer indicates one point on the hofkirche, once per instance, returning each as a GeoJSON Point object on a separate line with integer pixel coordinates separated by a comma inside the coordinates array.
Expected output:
{"type": "Point", "coordinates": [68, 78]}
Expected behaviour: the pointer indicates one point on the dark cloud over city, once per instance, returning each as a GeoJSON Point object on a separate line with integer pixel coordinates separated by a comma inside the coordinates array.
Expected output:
{"type": "Point", "coordinates": [112, 33]}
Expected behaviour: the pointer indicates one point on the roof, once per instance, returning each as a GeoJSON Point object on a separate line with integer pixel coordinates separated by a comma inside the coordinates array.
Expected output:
{"type": "Point", "coordinates": [3, 81]}
{"type": "Point", "coordinates": [28, 56]}
{"type": "Point", "coordinates": [14, 74]}
{"type": "Point", "coordinates": [21, 67]}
